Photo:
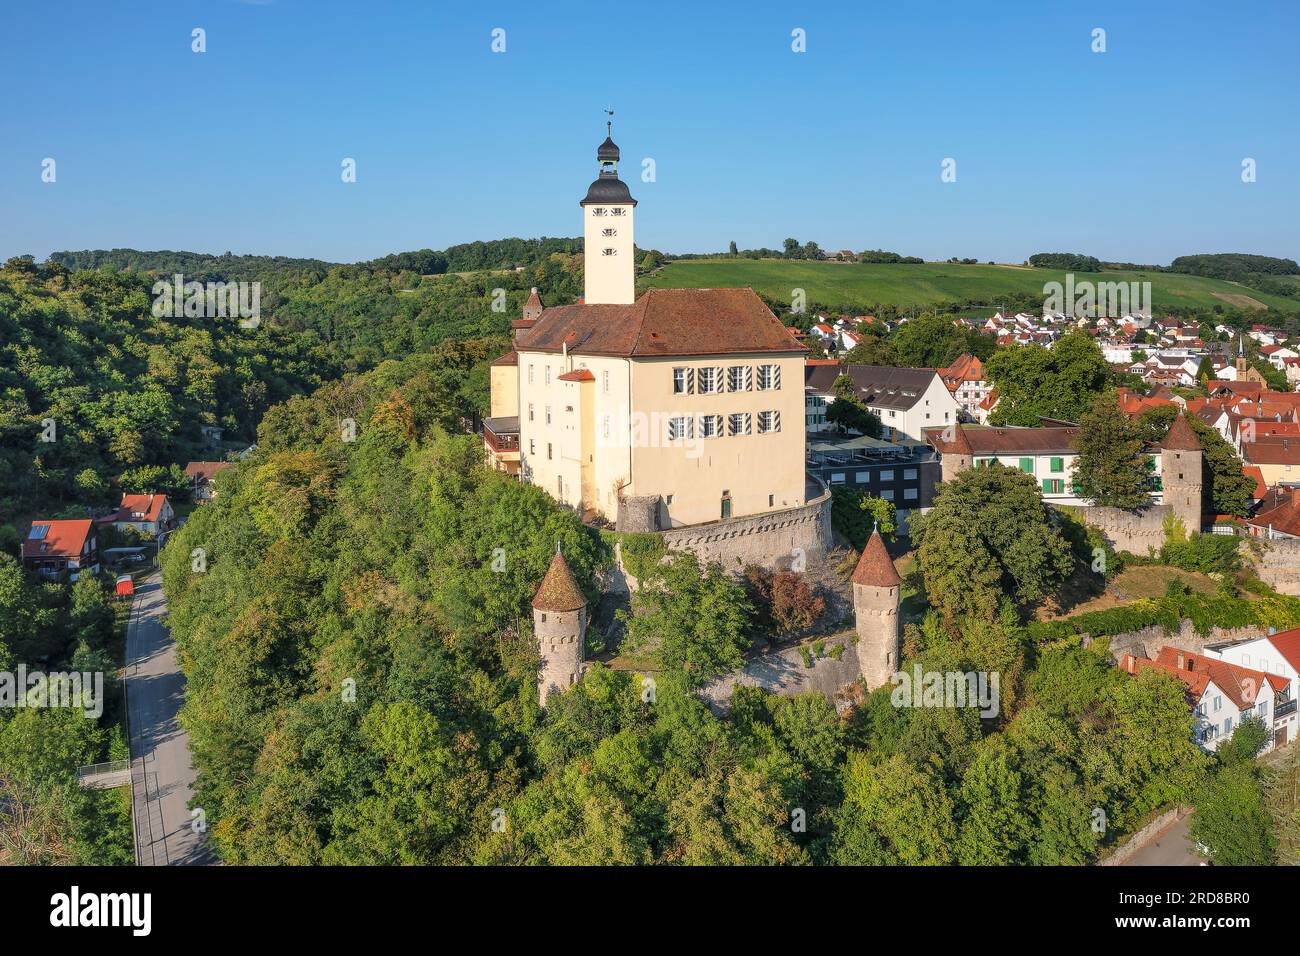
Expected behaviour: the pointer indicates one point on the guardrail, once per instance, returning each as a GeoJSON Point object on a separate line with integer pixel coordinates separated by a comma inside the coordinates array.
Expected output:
{"type": "Point", "coordinates": [112, 773]}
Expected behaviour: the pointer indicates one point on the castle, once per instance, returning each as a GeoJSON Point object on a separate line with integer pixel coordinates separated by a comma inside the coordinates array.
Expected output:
{"type": "Point", "coordinates": [679, 411]}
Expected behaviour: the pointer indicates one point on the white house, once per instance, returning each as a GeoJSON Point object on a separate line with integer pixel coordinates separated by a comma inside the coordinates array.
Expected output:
{"type": "Point", "coordinates": [1275, 654]}
{"type": "Point", "coordinates": [907, 400]}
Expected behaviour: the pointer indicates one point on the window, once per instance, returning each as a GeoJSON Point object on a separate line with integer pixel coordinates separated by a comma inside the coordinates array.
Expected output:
{"type": "Point", "coordinates": [909, 494]}
{"type": "Point", "coordinates": [769, 422]}
{"type": "Point", "coordinates": [862, 477]}
{"type": "Point", "coordinates": [740, 378]}
{"type": "Point", "coordinates": [771, 500]}
{"type": "Point", "coordinates": [837, 478]}
{"type": "Point", "coordinates": [681, 427]}
{"type": "Point", "coordinates": [1027, 465]}
{"type": "Point", "coordinates": [548, 451]}
{"type": "Point", "coordinates": [887, 494]}
{"type": "Point", "coordinates": [683, 381]}
{"type": "Point", "coordinates": [1058, 465]}
{"type": "Point", "coordinates": [909, 474]}
{"type": "Point", "coordinates": [1053, 486]}
{"type": "Point", "coordinates": [1218, 702]}
{"type": "Point", "coordinates": [530, 375]}
{"type": "Point", "coordinates": [608, 252]}
{"type": "Point", "coordinates": [604, 377]}
{"type": "Point", "coordinates": [548, 375]}
{"type": "Point", "coordinates": [769, 378]}
{"type": "Point", "coordinates": [617, 211]}
{"type": "Point", "coordinates": [609, 232]}
{"type": "Point", "coordinates": [532, 449]}
{"type": "Point", "coordinates": [710, 426]}
{"type": "Point", "coordinates": [887, 475]}
{"type": "Point", "coordinates": [598, 210]}
{"type": "Point", "coordinates": [548, 414]}
{"type": "Point", "coordinates": [710, 380]}
{"type": "Point", "coordinates": [669, 499]}
{"type": "Point", "coordinates": [1227, 725]}
{"type": "Point", "coordinates": [530, 411]}
{"type": "Point", "coordinates": [741, 423]}
{"type": "Point", "coordinates": [606, 426]}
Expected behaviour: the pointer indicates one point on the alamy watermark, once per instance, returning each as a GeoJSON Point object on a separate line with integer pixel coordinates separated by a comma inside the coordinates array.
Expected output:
{"type": "Point", "coordinates": [174, 298]}
{"type": "Point", "coordinates": [1090, 300]}
{"type": "Point", "coordinates": [951, 689]}
{"type": "Point", "coordinates": [82, 690]}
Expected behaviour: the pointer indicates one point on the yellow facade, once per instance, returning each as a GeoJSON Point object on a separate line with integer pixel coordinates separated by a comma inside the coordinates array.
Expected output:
{"type": "Point", "coordinates": [588, 443]}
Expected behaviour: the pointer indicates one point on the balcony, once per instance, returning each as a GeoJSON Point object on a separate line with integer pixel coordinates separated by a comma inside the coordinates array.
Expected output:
{"type": "Point", "coordinates": [502, 434]}
{"type": "Point", "coordinates": [1284, 710]}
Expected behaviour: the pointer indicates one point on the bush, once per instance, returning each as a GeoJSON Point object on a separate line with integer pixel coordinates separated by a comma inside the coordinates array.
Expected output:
{"type": "Point", "coordinates": [783, 600]}
{"type": "Point", "coordinates": [1208, 553]}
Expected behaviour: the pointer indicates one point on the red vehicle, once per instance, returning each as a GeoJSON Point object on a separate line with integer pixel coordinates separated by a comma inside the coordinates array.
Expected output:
{"type": "Point", "coordinates": [125, 586]}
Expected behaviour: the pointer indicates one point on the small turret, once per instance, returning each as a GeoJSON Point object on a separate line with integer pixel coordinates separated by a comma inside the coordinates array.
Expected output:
{"type": "Point", "coordinates": [560, 627]}
{"type": "Point", "coordinates": [876, 591]}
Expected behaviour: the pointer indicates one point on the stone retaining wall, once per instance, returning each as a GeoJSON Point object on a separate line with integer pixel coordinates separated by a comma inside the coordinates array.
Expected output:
{"type": "Point", "coordinates": [1279, 566]}
{"type": "Point", "coordinates": [767, 539]}
{"type": "Point", "coordinates": [1138, 841]}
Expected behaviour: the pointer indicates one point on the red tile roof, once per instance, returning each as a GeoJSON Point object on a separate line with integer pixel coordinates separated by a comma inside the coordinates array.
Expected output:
{"type": "Point", "coordinates": [875, 566]}
{"type": "Point", "coordinates": [137, 508]}
{"type": "Point", "coordinates": [663, 322]}
{"type": "Point", "coordinates": [1180, 436]}
{"type": "Point", "coordinates": [204, 470]}
{"type": "Point", "coordinates": [1288, 645]}
{"type": "Point", "coordinates": [578, 375]}
{"type": "Point", "coordinates": [1252, 471]}
{"type": "Point", "coordinates": [558, 590]}
{"type": "Point", "coordinates": [1003, 441]}
{"type": "Point", "coordinates": [510, 358]}
{"type": "Point", "coordinates": [63, 539]}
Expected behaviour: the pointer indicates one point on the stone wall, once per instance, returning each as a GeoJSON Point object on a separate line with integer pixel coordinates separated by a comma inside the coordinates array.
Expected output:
{"type": "Point", "coordinates": [1148, 641]}
{"type": "Point", "coordinates": [1134, 532]}
{"type": "Point", "coordinates": [1279, 566]}
{"type": "Point", "coordinates": [766, 539]}
{"type": "Point", "coordinates": [784, 672]}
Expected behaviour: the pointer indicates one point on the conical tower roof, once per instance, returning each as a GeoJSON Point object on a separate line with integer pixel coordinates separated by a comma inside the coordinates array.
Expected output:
{"type": "Point", "coordinates": [559, 591]}
{"type": "Point", "coordinates": [1180, 436]}
{"type": "Point", "coordinates": [875, 567]}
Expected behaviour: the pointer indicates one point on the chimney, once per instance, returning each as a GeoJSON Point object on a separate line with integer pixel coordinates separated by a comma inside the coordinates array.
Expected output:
{"type": "Point", "coordinates": [1180, 660]}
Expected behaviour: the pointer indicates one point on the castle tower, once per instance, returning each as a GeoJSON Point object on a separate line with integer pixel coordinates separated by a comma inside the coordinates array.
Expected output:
{"type": "Point", "coordinates": [609, 267]}
{"type": "Point", "coordinates": [533, 307]}
{"type": "Point", "coordinates": [560, 627]}
{"type": "Point", "coordinates": [1241, 364]}
{"type": "Point", "coordinates": [1180, 465]}
{"type": "Point", "coordinates": [876, 589]}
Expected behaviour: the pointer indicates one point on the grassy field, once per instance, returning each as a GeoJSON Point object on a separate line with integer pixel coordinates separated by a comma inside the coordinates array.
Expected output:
{"type": "Point", "coordinates": [931, 284]}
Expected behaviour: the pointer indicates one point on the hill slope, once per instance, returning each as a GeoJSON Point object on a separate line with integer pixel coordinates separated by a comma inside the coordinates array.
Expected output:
{"type": "Point", "coordinates": [833, 284]}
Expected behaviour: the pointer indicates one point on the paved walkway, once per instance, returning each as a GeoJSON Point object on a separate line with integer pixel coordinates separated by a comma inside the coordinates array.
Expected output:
{"type": "Point", "coordinates": [162, 777]}
{"type": "Point", "coordinates": [1172, 848]}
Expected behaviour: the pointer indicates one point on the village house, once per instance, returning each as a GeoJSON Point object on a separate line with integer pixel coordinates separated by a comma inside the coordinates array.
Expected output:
{"type": "Point", "coordinates": [1278, 655]}
{"type": "Point", "coordinates": [1222, 695]}
{"type": "Point", "coordinates": [201, 474]}
{"type": "Point", "coordinates": [57, 548]}
{"type": "Point", "coordinates": [907, 400]}
{"type": "Point", "coordinates": [966, 381]}
{"type": "Point", "coordinates": [147, 514]}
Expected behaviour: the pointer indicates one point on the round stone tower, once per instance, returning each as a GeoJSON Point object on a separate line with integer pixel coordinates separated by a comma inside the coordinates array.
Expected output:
{"type": "Point", "coordinates": [876, 588]}
{"type": "Point", "coordinates": [1180, 473]}
{"type": "Point", "coordinates": [560, 627]}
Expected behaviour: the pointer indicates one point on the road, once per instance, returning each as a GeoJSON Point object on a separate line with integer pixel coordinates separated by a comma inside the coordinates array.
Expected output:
{"type": "Point", "coordinates": [162, 777]}
{"type": "Point", "coordinates": [1171, 848]}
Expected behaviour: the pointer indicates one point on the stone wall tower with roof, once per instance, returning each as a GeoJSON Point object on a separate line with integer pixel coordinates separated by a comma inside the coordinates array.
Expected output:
{"type": "Point", "coordinates": [1180, 468]}
{"type": "Point", "coordinates": [609, 252]}
{"type": "Point", "coordinates": [876, 591]}
{"type": "Point", "coordinates": [957, 456]}
{"type": "Point", "coordinates": [560, 628]}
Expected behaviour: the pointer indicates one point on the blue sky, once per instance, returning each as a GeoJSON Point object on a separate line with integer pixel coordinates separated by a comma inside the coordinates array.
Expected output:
{"type": "Point", "coordinates": [1132, 155]}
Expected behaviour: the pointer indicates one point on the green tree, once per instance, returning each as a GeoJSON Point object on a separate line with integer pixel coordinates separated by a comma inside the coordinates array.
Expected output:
{"type": "Point", "coordinates": [989, 534]}
{"type": "Point", "coordinates": [1060, 382]}
{"type": "Point", "coordinates": [693, 619]}
{"type": "Point", "coordinates": [1230, 820]}
{"type": "Point", "coordinates": [1111, 464]}
{"type": "Point", "coordinates": [849, 412]}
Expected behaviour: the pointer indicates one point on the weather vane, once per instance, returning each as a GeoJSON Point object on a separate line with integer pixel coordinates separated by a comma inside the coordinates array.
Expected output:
{"type": "Point", "coordinates": [609, 123]}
